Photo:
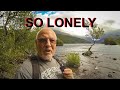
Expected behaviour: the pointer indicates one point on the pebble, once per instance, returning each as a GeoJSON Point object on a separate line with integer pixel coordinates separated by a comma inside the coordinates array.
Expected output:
{"type": "Point", "coordinates": [109, 75]}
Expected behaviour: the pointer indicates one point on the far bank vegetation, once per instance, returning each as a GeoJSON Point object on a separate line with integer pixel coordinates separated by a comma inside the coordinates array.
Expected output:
{"type": "Point", "coordinates": [112, 41]}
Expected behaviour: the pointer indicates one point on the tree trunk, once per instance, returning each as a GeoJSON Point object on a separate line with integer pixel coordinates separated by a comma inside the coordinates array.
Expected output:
{"type": "Point", "coordinates": [5, 30]}
{"type": "Point", "coordinates": [91, 46]}
{"type": "Point", "coordinates": [5, 25]}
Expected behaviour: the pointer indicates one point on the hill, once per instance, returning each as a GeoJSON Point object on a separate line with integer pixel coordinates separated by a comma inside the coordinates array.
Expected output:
{"type": "Point", "coordinates": [67, 38]}
{"type": "Point", "coordinates": [114, 34]}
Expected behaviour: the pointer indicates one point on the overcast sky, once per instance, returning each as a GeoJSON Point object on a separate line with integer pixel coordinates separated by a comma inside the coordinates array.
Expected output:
{"type": "Point", "coordinates": [102, 19]}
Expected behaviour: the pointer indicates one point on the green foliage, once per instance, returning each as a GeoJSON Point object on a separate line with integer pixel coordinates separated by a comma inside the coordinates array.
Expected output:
{"type": "Point", "coordinates": [118, 40]}
{"type": "Point", "coordinates": [69, 39]}
{"type": "Point", "coordinates": [15, 47]}
{"type": "Point", "coordinates": [59, 42]}
{"type": "Point", "coordinates": [73, 60]}
{"type": "Point", "coordinates": [17, 43]}
{"type": "Point", "coordinates": [16, 19]}
{"type": "Point", "coordinates": [110, 41]}
{"type": "Point", "coordinates": [97, 32]}
{"type": "Point", "coordinates": [7, 54]}
{"type": "Point", "coordinates": [25, 40]}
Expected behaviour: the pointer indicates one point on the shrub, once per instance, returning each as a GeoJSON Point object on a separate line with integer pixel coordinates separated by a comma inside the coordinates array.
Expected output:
{"type": "Point", "coordinates": [110, 41]}
{"type": "Point", "coordinates": [73, 60]}
{"type": "Point", "coordinates": [59, 42]}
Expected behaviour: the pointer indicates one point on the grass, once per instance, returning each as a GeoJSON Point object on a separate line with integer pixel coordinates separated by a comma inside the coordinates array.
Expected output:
{"type": "Point", "coordinates": [73, 60]}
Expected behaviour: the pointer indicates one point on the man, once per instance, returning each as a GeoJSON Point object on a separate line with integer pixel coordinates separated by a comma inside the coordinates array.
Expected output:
{"type": "Point", "coordinates": [49, 67]}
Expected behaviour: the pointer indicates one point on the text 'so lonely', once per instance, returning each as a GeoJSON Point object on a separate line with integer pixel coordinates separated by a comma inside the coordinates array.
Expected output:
{"type": "Point", "coordinates": [63, 22]}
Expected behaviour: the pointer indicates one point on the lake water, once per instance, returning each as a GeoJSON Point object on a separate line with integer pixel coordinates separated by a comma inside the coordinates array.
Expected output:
{"type": "Point", "coordinates": [97, 48]}
{"type": "Point", "coordinates": [104, 63]}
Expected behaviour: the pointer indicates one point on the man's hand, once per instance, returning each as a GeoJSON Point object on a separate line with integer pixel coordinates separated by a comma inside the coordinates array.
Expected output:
{"type": "Point", "coordinates": [68, 74]}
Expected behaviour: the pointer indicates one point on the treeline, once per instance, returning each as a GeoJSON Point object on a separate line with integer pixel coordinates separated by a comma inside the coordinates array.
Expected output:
{"type": "Point", "coordinates": [112, 41]}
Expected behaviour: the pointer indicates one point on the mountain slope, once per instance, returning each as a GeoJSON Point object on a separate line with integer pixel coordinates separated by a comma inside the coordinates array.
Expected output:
{"type": "Point", "coordinates": [67, 38]}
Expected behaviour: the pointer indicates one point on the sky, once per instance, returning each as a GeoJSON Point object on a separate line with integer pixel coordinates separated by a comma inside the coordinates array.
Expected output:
{"type": "Point", "coordinates": [102, 18]}
{"type": "Point", "coordinates": [110, 19]}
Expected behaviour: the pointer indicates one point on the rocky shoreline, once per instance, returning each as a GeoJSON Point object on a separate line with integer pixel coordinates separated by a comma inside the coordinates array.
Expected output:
{"type": "Point", "coordinates": [97, 66]}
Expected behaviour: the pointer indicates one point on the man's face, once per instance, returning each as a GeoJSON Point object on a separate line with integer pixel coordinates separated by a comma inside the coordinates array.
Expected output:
{"type": "Point", "coordinates": [46, 44]}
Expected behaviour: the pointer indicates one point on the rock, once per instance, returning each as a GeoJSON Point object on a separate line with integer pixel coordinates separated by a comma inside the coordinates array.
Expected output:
{"type": "Point", "coordinates": [114, 58]}
{"type": "Point", "coordinates": [83, 53]}
{"type": "Point", "coordinates": [96, 67]}
{"type": "Point", "coordinates": [84, 70]}
{"type": "Point", "coordinates": [88, 53]}
{"type": "Point", "coordinates": [109, 75]}
{"type": "Point", "coordinates": [96, 57]}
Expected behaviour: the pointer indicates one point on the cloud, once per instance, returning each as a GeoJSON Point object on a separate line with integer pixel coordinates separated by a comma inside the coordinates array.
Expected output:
{"type": "Point", "coordinates": [109, 22]}
{"type": "Point", "coordinates": [111, 18]}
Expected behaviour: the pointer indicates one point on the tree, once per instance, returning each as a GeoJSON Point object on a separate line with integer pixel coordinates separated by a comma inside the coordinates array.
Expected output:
{"type": "Point", "coordinates": [15, 40]}
{"type": "Point", "coordinates": [95, 33]}
{"type": "Point", "coordinates": [14, 19]}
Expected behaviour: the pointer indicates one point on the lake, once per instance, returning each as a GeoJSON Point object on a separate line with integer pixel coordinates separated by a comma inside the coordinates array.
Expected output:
{"type": "Point", "coordinates": [97, 48]}
{"type": "Point", "coordinates": [104, 63]}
